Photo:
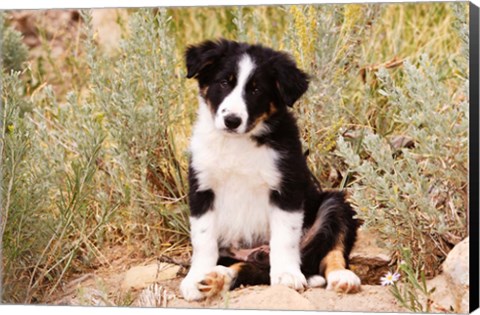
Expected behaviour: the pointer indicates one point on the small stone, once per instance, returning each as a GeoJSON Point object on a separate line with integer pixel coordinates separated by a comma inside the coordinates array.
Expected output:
{"type": "Point", "coordinates": [368, 260]}
{"type": "Point", "coordinates": [276, 297]}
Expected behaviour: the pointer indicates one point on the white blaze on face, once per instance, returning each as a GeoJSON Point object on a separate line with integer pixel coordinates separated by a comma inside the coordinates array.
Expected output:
{"type": "Point", "coordinates": [234, 103]}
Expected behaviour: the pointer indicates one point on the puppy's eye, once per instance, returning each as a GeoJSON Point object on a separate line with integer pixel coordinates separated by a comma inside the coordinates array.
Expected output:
{"type": "Point", "coordinates": [256, 91]}
{"type": "Point", "coordinates": [224, 83]}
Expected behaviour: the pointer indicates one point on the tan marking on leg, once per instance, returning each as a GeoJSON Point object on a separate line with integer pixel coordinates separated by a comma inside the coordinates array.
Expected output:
{"type": "Point", "coordinates": [339, 278]}
{"type": "Point", "coordinates": [237, 267]}
{"type": "Point", "coordinates": [334, 260]}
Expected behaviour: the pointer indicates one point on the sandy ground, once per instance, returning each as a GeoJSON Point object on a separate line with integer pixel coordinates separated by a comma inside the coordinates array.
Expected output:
{"type": "Point", "coordinates": [108, 289]}
{"type": "Point", "coordinates": [371, 298]}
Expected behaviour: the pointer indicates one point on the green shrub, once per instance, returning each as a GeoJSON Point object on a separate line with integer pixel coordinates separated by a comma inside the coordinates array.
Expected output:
{"type": "Point", "coordinates": [82, 173]}
{"type": "Point", "coordinates": [13, 51]}
{"type": "Point", "coordinates": [414, 196]}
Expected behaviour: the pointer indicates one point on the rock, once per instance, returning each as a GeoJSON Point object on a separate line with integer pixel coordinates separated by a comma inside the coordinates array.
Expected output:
{"type": "Point", "coordinates": [368, 260]}
{"type": "Point", "coordinates": [277, 297]}
{"type": "Point", "coordinates": [140, 277]}
{"type": "Point", "coordinates": [456, 266]}
{"type": "Point", "coordinates": [452, 285]}
{"type": "Point", "coordinates": [369, 299]}
{"type": "Point", "coordinates": [104, 22]}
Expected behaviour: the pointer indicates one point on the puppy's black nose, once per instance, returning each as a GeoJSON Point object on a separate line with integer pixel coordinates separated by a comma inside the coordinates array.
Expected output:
{"type": "Point", "coordinates": [232, 121]}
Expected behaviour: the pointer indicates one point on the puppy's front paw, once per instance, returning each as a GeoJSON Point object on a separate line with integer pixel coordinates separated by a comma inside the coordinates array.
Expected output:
{"type": "Point", "coordinates": [344, 281]}
{"type": "Point", "coordinates": [189, 289]}
{"type": "Point", "coordinates": [217, 281]}
{"type": "Point", "coordinates": [292, 279]}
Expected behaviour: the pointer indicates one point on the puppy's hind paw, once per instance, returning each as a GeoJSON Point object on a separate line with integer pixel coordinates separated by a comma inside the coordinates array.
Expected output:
{"type": "Point", "coordinates": [343, 281]}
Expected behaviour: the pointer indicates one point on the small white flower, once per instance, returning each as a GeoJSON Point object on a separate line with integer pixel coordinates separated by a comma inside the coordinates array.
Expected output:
{"type": "Point", "coordinates": [389, 278]}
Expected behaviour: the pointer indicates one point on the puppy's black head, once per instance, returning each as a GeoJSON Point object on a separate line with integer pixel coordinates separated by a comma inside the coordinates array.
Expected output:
{"type": "Point", "coordinates": [244, 85]}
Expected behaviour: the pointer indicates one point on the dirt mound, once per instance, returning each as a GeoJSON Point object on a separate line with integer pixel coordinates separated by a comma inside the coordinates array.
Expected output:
{"type": "Point", "coordinates": [371, 298]}
{"type": "Point", "coordinates": [156, 284]}
{"type": "Point", "coordinates": [114, 291]}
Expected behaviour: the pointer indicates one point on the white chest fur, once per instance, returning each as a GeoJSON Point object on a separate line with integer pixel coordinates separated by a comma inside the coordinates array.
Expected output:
{"type": "Point", "coordinates": [241, 175]}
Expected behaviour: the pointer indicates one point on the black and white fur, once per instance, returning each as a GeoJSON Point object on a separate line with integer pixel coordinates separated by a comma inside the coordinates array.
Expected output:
{"type": "Point", "coordinates": [249, 180]}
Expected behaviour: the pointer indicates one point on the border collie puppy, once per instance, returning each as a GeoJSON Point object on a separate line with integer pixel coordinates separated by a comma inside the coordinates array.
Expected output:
{"type": "Point", "coordinates": [249, 181]}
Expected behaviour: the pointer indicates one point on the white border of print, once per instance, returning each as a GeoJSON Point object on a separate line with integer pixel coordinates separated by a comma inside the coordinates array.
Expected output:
{"type": "Point", "coordinates": [51, 4]}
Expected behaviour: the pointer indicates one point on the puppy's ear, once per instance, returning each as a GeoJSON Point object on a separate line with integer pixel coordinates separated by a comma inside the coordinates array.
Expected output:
{"type": "Point", "coordinates": [200, 56]}
{"type": "Point", "coordinates": [291, 82]}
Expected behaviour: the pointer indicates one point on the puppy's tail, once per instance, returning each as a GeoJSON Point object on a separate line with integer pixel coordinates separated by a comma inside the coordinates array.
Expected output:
{"type": "Point", "coordinates": [334, 228]}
